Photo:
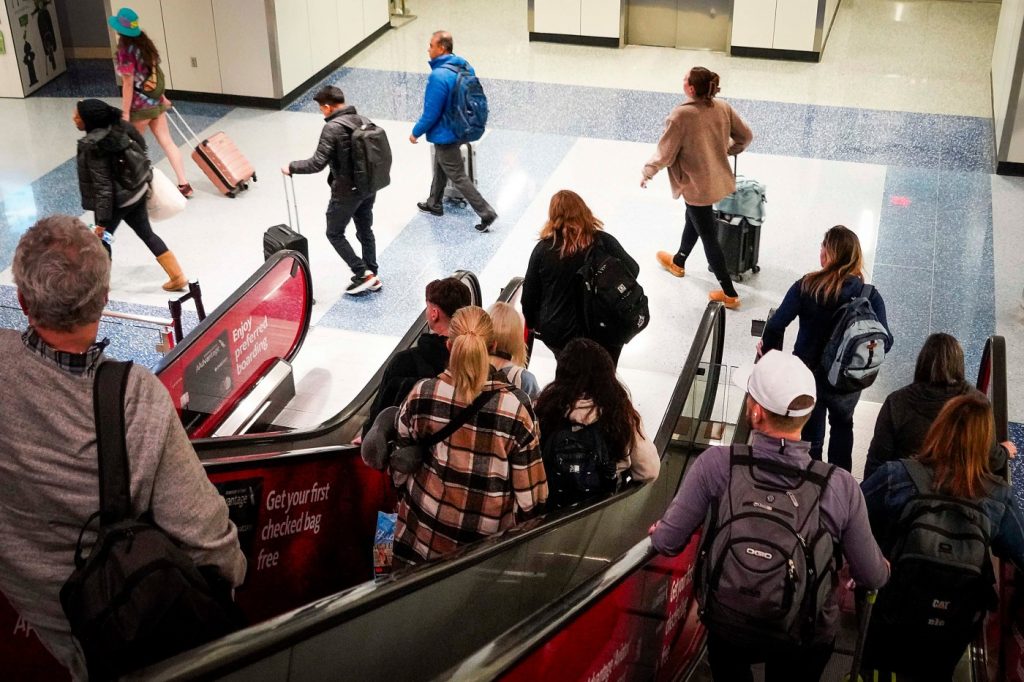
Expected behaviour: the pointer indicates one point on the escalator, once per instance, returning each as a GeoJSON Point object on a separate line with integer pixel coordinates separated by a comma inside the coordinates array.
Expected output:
{"type": "Point", "coordinates": [423, 621]}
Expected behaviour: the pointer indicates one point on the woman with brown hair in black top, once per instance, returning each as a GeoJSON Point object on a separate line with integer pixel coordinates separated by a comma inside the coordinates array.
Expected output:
{"type": "Point", "coordinates": [552, 295]}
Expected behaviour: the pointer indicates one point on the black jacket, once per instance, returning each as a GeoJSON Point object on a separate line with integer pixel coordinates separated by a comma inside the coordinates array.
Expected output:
{"type": "Point", "coordinates": [552, 291]}
{"type": "Point", "coordinates": [428, 358]}
{"type": "Point", "coordinates": [335, 150]}
{"type": "Point", "coordinates": [112, 167]}
{"type": "Point", "coordinates": [904, 420]}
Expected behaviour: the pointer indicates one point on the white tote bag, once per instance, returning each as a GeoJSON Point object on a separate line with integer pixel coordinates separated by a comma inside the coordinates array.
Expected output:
{"type": "Point", "coordinates": [164, 200]}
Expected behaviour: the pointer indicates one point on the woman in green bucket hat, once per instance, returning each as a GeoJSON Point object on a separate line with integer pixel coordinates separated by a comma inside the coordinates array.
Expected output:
{"type": "Point", "coordinates": [142, 88]}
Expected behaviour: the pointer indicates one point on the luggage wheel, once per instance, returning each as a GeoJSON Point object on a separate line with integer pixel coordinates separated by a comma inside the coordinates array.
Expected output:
{"type": "Point", "coordinates": [254, 177]}
{"type": "Point", "coordinates": [738, 277]}
{"type": "Point", "coordinates": [756, 269]}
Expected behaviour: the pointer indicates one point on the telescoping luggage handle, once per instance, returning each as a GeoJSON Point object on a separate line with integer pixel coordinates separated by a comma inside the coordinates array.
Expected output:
{"type": "Point", "coordinates": [191, 138]}
{"type": "Point", "coordinates": [290, 180]}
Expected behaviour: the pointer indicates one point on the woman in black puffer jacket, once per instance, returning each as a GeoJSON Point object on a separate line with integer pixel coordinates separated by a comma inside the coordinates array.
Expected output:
{"type": "Point", "coordinates": [114, 176]}
{"type": "Point", "coordinates": [909, 412]}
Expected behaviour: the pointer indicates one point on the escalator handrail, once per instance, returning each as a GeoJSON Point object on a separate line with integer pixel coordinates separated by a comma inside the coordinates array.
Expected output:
{"type": "Point", "coordinates": [711, 328]}
{"type": "Point", "coordinates": [503, 653]}
{"type": "Point", "coordinates": [283, 438]}
{"type": "Point", "coordinates": [288, 629]}
{"type": "Point", "coordinates": [231, 301]}
{"type": "Point", "coordinates": [992, 379]}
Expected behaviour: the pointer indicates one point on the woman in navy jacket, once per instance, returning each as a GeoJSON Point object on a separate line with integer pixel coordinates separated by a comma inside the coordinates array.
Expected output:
{"type": "Point", "coordinates": [955, 453]}
{"type": "Point", "coordinates": [815, 298]}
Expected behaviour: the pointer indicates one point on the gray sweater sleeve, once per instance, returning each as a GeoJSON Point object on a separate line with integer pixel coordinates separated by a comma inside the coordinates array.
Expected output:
{"type": "Point", "coordinates": [187, 506]}
{"type": "Point", "coordinates": [868, 566]}
{"type": "Point", "coordinates": [705, 482]}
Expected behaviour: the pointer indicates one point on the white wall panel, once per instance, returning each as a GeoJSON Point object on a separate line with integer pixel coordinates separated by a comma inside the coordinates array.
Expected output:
{"type": "Point", "coordinates": [350, 24]}
{"type": "Point", "coordinates": [600, 18]}
{"type": "Point", "coordinates": [293, 42]}
{"type": "Point", "coordinates": [376, 13]}
{"type": "Point", "coordinates": [189, 29]}
{"type": "Point", "coordinates": [557, 16]}
{"type": "Point", "coordinates": [243, 47]}
{"type": "Point", "coordinates": [753, 23]}
{"type": "Point", "coordinates": [1004, 56]}
{"type": "Point", "coordinates": [324, 36]}
{"type": "Point", "coordinates": [794, 24]}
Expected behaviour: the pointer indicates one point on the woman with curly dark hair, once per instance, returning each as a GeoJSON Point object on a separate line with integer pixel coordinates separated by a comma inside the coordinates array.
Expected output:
{"type": "Point", "coordinates": [587, 414]}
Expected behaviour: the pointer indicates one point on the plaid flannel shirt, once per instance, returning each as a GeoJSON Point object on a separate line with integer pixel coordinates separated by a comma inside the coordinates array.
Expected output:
{"type": "Point", "coordinates": [488, 476]}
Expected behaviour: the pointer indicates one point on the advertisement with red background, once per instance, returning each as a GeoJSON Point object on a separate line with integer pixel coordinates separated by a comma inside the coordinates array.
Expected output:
{"type": "Point", "coordinates": [236, 345]}
{"type": "Point", "coordinates": [306, 523]}
{"type": "Point", "coordinates": [646, 627]}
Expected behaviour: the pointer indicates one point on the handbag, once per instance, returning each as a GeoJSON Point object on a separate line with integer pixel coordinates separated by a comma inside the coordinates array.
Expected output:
{"type": "Point", "coordinates": [164, 200]}
{"type": "Point", "coordinates": [407, 456]}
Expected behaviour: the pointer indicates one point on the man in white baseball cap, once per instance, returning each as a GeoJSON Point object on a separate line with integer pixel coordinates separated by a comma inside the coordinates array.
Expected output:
{"type": "Point", "coordinates": [763, 496]}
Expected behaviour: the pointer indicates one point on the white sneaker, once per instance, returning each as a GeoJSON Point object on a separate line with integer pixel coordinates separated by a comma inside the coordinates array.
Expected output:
{"type": "Point", "coordinates": [361, 283]}
{"type": "Point", "coordinates": [376, 284]}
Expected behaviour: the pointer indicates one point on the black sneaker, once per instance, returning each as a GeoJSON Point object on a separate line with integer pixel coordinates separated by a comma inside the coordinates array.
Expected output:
{"type": "Point", "coordinates": [427, 208]}
{"type": "Point", "coordinates": [361, 283]}
{"type": "Point", "coordinates": [485, 223]}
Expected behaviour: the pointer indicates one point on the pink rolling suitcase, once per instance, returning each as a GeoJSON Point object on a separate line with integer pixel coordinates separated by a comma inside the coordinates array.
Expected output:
{"type": "Point", "coordinates": [219, 158]}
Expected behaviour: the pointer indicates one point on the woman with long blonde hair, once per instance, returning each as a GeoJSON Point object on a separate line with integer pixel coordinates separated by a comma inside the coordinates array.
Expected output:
{"type": "Point", "coordinates": [954, 462]}
{"type": "Point", "coordinates": [486, 473]}
{"type": "Point", "coordinates": [552, 295]}
{"type": "Point", "coordinates": [508, 352]}
{"type": "Point", "coordinates": [815, 299]}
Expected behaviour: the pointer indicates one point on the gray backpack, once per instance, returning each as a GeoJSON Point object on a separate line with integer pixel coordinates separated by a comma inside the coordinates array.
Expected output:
{"type": "Point", "coordinates": [768, 564]}
{"type": "Point", "coordinates": [856, 349]}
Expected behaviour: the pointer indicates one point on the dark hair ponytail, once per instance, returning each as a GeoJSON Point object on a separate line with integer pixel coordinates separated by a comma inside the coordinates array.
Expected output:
{"type": "Point", "coordinates": [704, 83]}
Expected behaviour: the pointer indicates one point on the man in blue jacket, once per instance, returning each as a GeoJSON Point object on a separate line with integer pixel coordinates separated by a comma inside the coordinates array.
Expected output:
{"type": "Point", "coordinates": [448, 163]}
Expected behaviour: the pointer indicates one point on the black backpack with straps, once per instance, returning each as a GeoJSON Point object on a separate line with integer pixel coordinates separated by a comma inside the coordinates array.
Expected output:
{"type": "Point", "coordinates": [768, 564]}
{"type": "Point", "coordinates": [137, 598]}
{"type": "Point", "coordinates": [942, 576]}
{"type": "Point", "coordinates": [371, 154]}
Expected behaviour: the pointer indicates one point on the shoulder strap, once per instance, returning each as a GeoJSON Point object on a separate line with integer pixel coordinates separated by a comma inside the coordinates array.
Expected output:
{"type": "Point", "coordinates": [866, 291]}
{"type": "Point", "coordinates": [350, 121]}
{"type": "Point", "coordinates": [108, 405]}
{"type": "Point", "coordinates": [919, 474]}
{"type": "Point", "coordinates": [458, 421]}
{"type": "Point", "coordinates": [454, 68]}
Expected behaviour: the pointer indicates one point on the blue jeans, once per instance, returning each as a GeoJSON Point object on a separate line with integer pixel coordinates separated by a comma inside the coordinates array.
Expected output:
{"type": "Point", "coordinates": [838, 407]}
{"type": "Point", "coordinates": [340, 211]}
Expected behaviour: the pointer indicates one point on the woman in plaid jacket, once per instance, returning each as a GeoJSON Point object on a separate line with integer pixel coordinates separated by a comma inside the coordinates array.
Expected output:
{"type": "Point", "coordinates": [489, 474]}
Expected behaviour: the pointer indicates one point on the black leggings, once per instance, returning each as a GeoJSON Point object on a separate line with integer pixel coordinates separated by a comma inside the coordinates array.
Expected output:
{"type": "Point", "coordinates": [700, 222]}
{"type": "Point", "coordinates": [137, 217]}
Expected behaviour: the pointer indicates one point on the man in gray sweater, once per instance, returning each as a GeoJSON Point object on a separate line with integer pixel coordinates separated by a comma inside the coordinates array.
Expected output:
{"type": "Point", "coordinates": [48, 458]}
{"type": "Point", "coordinates": [781, 394]}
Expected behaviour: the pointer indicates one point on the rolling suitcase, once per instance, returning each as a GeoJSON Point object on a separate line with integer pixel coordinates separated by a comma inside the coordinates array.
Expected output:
{"type": "Point", "coordinates": [219, 158]}
{"type": "Point", "coordinates": [451, 194]}
{"type": "Point", "coordinates": [738, 219]}
{"type": "Point", "coordinates": [282, 237]}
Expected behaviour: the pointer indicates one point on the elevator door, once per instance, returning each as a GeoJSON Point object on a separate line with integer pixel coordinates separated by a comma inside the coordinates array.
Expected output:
{"type": "Point", "coordinates": [694, 24]}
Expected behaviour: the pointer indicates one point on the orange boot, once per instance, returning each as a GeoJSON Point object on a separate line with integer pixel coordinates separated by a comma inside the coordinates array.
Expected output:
{"type": "Point", "coordinates": [178, 281]}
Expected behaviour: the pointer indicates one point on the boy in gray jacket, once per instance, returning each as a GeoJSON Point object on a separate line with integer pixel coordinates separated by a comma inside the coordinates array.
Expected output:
{"type": "Point", "coordinates": [781, 394]}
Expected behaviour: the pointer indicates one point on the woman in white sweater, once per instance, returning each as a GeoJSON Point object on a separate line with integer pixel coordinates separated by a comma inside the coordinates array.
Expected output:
{"type": "Point", "coordinates": [591, 434]}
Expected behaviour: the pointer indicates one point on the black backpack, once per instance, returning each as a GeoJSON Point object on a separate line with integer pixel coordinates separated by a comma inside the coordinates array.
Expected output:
{"type": "Point", "coordinates": [615, 307]}
{"type": "Point", "coordinates": [371, 154]}
{"type": "Point", "coordinates": [942, 577]}
{"type": "Point", "coordinates": [137, 598]}
{"type": "Point", "coordinates": [131, 166]}
{"type": "Point", "coordinates": [767, 564]}
{"type": "Point", "coordinates": [578, 463]}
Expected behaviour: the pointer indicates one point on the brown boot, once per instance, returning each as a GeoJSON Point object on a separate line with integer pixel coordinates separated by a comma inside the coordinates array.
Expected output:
{"type": "Point", "coordinates": [178, 281]}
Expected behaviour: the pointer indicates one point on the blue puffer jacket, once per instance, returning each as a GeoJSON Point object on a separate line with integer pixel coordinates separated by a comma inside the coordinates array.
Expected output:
{"type": "Point", "coordinates": [435, 100]}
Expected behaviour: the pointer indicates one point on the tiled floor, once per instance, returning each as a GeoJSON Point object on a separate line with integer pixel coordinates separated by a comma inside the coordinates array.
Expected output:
{"type": "Point", "coordinates": [890, 135]}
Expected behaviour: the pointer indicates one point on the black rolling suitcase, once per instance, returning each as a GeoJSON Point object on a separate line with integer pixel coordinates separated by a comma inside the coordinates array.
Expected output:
{"type": "Point", "coordinates": [282, 237]}
{"type": "Point", "coordinates": [738, 219]}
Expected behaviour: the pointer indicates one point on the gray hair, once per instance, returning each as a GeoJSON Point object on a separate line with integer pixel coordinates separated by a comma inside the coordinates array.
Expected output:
{"type": "Point", "coordinates": [62, 273]}
{"type": "Point", "coordinates": [444, 39]}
